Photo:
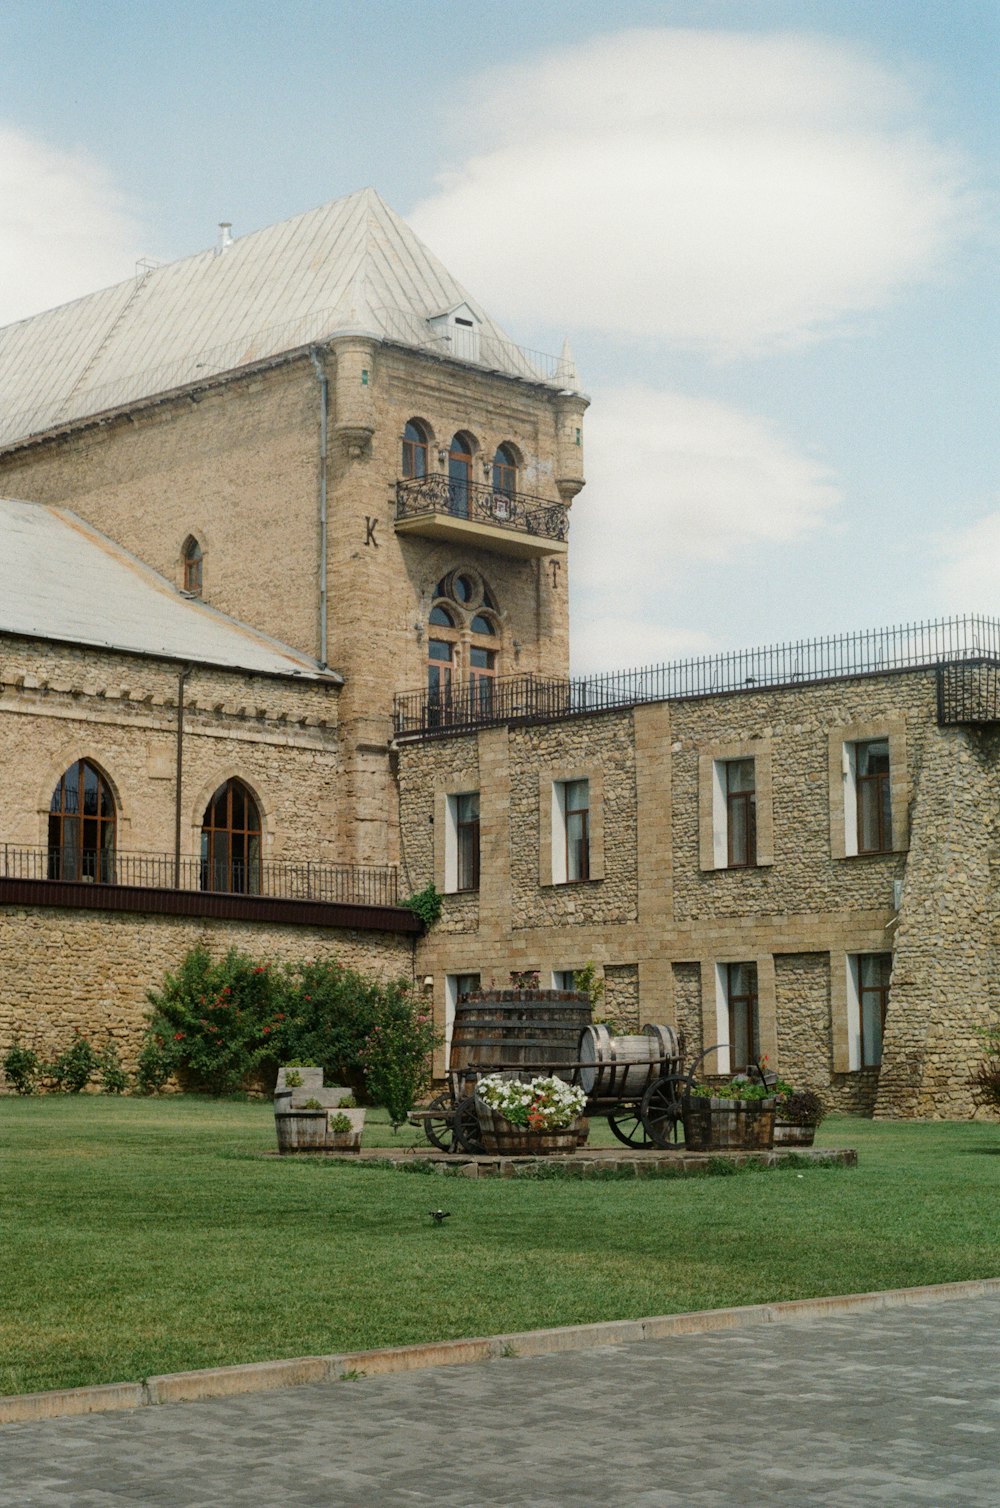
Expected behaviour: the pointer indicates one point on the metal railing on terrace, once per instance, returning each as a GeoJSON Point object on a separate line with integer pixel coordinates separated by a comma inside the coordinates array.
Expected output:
{"type": "Point", "coordinates": [339, 884]}
{"type": "Point", "coordinates": [527, 698]}
{"type": "Point", "coordinates": [481, 504]}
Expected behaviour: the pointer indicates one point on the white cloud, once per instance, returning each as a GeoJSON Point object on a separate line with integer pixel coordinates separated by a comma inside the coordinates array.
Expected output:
{"type": "Point", "coordinates": [969, 568]}
{"type": "Point", "coordinates": [675, 481]}
{"type": "Point", "coordinates": [63, 228]}
{"type": "Point", "coordinates": [729, 193]}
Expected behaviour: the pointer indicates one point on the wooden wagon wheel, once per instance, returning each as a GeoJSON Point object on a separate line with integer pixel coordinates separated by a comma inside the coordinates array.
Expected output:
{"type": "Point", "coordinates": [661, 1110]}
{"type": "Point", "coordinates": [627, 1124]}
{"type": "Point", "coordinates": [439, 1123]}
{"type": "Point", "coordinates": [466, 1126]}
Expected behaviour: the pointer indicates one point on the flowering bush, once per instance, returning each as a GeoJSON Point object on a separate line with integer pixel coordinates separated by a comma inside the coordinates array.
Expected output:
{"type": "Point", "coordinates": [543, 1104]}
{"type": "Point", "coordinates": [396, 1057]}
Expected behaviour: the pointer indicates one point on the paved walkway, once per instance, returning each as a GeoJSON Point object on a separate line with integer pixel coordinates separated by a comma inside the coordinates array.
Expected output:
{"type": "Point", "coordinates": [892, 1407]}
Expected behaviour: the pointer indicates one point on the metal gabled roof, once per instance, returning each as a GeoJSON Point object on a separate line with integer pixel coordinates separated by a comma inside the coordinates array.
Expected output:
{"type": "Point", "coordinates": [62, 579]}
{"type": "Point", "coordinates": [352, 265]}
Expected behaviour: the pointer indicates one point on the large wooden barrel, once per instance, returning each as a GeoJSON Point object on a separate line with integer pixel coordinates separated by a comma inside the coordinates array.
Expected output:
{"type": "Point", "coordinates": [622, 1068]}
{"type": "Point", "coordinates": [536, 1031]}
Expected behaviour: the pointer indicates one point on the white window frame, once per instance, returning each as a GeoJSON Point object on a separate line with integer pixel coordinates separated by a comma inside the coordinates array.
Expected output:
{"type": "Point", "coordinates": [855, 1041]}
{"type": "Point", "coordinates": [451, 1005]}
{"type": "Point", "coordinates": [559, 976]}
{"type": "Point", "coordinates": [560, 844]}
{"type": "Point", "coordinates": [451, 842]}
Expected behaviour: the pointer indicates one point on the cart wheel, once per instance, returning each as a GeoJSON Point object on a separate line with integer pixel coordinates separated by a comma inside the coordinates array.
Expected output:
{"type": "Point", "coordinates": [626, 1123]}
{"type": "Point", "coordinates": [662, 1109]}
{"type": "Point", "coordinates": [466, 1124]}
{"type": "Point", "coordinates": [439, 1123]}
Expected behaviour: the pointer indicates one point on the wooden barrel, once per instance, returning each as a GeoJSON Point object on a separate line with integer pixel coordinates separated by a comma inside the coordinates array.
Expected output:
{"type": "Point", "coordinates": [536, 1031]}
{"type": "Point", "coordinates": [622, 1068]}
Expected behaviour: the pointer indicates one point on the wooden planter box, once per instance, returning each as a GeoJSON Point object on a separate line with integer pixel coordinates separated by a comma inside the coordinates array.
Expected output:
{"type": "Point", "coordinates": [502, 1136]}
{"type": "Point", "coordinates": [309, 1130]}
{"type": "Point", "coordinates": [787, 1134]}
{"type": "Point", "coordinates": [717, 1125]}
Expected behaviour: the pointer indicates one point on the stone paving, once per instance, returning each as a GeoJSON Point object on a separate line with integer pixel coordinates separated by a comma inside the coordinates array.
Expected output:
{"type": "Point", "coordinates": [890, 1407]}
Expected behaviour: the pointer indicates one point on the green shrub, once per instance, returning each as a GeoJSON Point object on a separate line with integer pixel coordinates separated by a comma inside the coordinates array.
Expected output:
{"type": "Point", "coordinates": [156, 1063]}
{"type": "Point", "coordinates": [22, 1068]}
{"type": "Point", "coordinates": [213, 1024]}
{"type": "Point", "coordinates": [329, 1013]}
{"type": "Point", "coordinates": [397, 1057]}
{"type": "Point", "coordinates": [426, 904]}
{"type": "Point", "coordinates": [74, 1068]}
{"type": "Point", "coordinates": [114, 1079]}
{"type": "Point", "coordinates": [340, 1123]}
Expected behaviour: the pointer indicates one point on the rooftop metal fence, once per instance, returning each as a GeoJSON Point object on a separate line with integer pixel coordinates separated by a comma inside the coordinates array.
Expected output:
{"type": "Point", "coordinates": [343, 884]}
{"type": "Point", "coordinates": [527, 698]}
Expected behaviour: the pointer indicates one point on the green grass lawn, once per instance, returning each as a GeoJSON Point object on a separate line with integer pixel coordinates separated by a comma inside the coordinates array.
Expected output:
{"type": "Point", "coordinates": [147, 1236]}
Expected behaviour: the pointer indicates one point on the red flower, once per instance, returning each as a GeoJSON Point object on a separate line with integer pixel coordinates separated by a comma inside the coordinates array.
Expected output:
{"type": "Point", "coordinates": [266, 1030]}
{"type": "Point", "coordinates": [178, 1036]}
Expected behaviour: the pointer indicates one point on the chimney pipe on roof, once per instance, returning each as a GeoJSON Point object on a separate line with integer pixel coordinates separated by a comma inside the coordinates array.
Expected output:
{"type": "Point", "coordinates": [225, 238]}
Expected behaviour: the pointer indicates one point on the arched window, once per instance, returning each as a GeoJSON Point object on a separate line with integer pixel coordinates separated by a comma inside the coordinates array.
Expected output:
{"type": "Point", "coordinates": [414, 450]}
{"type": "Point", "coordinates": [230, 841]}
{"type": "Point", "coordinates": [468, 653]}
{"type": "Point", "coordinates": [193, 558]}
{"type": "Point", "coordinates": [505, 471]}
{"type": "Point", "coordinates": [82, 826]}
{"type": "Point", "coordinates": [459, 474]}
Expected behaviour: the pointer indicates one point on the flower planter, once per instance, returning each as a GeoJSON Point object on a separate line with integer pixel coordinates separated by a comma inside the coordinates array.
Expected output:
{"type": "Point", "coordinates": [502, 1136]}
{"type": "Point", "coordinates": [309, 1130]}
{"type": "Point", "coordinates": [788, 1134]}
{"type": "Point", "coordinates": [719, 1125]}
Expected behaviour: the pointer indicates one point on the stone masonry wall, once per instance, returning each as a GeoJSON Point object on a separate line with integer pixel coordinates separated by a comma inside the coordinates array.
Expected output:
{"type": "Point", "coordinates": [59, 704]}
{"type": "Point", "coordinates": [800, 917]}
{"type": "Point", "coordinates": [64, 971]}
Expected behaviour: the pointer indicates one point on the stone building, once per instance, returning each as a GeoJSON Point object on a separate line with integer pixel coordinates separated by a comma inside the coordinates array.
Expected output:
{"type": "Point", "coordinates": [311, 433]}
{"type": "Point", "coordinates": [284, 636]}
{"type": "Point", "coordinates": [780, 860]}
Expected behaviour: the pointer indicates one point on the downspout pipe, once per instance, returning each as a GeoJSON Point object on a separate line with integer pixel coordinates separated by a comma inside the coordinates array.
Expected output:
{"type": "Point", "coordinates": [182, 677]}
{"type": "Point", "coordinates": [324, 445]}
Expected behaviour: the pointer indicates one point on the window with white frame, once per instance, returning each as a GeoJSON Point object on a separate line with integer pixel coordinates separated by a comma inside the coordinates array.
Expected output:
{"type": "Point", "coordinates": [570, 831]}
{"type": "Point", "coordinates": [456, 988]}
{"type": "Point", "coordinates": [734, 813]}
{"type": "Point", "coordinates": [564, 979]}
{"type": "Point", "coordinates": [737, 1016]}
{"type": "Point", "coordinates": [867, 797]}
{"type": "Point", "coordinates": [462, 842]}
{"type": "Point", "coordinates": [868, 976]}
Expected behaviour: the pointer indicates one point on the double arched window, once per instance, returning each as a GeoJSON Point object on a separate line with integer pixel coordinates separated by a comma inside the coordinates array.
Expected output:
{"type": "Point", "coordinates": [82, 825]}
{"type": "Point", "coordinates": [230, 841]}
{"type": "Point", "coordinates": [463, 641]}
{"type": "Point", "coordinates": [504, 471]}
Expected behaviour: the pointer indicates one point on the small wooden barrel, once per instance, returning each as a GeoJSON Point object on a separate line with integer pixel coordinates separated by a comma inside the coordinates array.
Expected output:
{"type": "Point", "coordinates": [622, 1068]}
{"type": "Point", "coordinates": [716, 1125]}
{"type": "Point", "coordinates": [508, 1030]}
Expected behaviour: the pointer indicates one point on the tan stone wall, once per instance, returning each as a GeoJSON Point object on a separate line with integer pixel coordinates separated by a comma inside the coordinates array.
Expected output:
{"type": "Point", "coordinates": [59, 704]}
{"type": "Point", "coordinates": [238, 464]}
{"type": "Point", "coordinates": [64, 971]}
{"type": "Point", "coordinates": [799, 917]}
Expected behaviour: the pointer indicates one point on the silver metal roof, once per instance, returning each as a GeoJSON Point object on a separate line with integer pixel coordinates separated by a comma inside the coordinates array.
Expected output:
{"type": "Point", "coordinates": [352, 265]}
{"type": "Point", "coordinates": [62, 579]}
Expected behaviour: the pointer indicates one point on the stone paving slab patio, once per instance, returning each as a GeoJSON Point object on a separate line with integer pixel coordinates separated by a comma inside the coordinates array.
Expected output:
{"type": "Point", "coordinates": [897, 1408]}
{"type": "Point", "coordinates": [589, 1162]}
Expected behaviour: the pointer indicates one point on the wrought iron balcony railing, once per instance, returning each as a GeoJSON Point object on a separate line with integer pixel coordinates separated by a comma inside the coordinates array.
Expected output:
{"type": "Point", "coordinates": [338, 884]}
{"type": "Point", "coordinates": [969, 692]}
{"type": "Point", "coordinates": [477, 503]}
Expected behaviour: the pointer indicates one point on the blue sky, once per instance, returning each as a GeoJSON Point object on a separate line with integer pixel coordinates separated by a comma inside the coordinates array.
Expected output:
{"type": "Point", "coordinates": [769, 230]}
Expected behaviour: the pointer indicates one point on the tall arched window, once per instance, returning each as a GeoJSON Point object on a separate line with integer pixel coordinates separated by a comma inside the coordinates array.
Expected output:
{"type": "Point", "coordinates": [414, 450]}
{"type": "Point", "coordinates": [82, 826]}
{"type": "Point", "coordinates": [230, 841]}
{"type": "Point", "coordinates": [193, 558]}
{"type": "Point", "coordinates": [505, 471]}
{"type": "Point", "coordinates": [459, 474]}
